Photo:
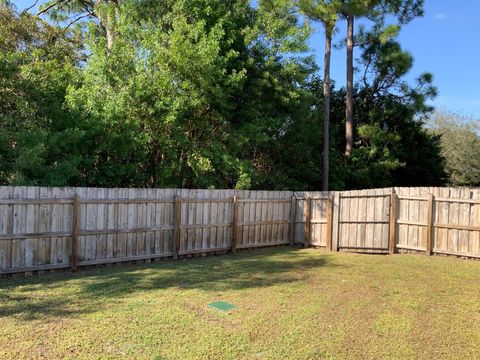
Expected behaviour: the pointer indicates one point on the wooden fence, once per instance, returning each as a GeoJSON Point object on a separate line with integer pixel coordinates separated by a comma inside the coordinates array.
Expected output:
{"type": "Point", "coordinates": [50, 228]}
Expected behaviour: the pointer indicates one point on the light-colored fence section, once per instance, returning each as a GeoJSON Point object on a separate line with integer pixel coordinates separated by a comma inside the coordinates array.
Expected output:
{"type": "Point", "coordinates": [363, 220]}
{"type": "Point", "coordinates": [454, 220]}
{"type": "Point", "coordinates": [311, 218]}
{"type": "Point", "coordinates": [116, 225]}
{"type": "Point", "coordinates": [35, 229]}
{"type": "Point", "coordinates": [38, 232]}
{"type": "Point", "coordinates": [206, 220]}
{"type": "Point", "coordinates": [124, 224]}
{"type": "Point", "coordinates": [264, 218]}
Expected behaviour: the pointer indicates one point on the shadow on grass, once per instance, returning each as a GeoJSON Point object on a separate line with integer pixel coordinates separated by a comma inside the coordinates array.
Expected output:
{"type": "Point", "coordinates": [68, 295]}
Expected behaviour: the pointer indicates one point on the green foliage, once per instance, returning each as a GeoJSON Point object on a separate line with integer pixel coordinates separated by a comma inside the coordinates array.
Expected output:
{"type": "Point", "coordinates": [37, 63]}
{"type": "Point", "coordinates": [460, 144]}
{"type": "Point", "coordinates": [195, 88]}
{"type": "Point", "coordinates": [324, 11]}
{"type": "Point", "coordinates": [201, 93]}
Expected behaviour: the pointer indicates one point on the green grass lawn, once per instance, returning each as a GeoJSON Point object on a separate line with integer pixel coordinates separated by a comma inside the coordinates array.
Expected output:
{"type": "Point", "coordinates": [290, 304]}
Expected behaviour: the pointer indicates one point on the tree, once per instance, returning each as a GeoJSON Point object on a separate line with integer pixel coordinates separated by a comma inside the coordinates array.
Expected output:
{"type": "Point", "coordinates": [196, 89]}
{"type": "Point", "coordinates": [326, 12]}
{"type": "Point", "coordinates": [376, 10]}
{"type": "Point", "coordinates": [350, 10]}
{"type": "Point", "coordinates": [460, 143]}
{"type": "Point", "coordinates": [203, 93]}
{"type": "Point", "coordinates": [40, 140]}
{"type": "Point", "coordinates": [392, 146]}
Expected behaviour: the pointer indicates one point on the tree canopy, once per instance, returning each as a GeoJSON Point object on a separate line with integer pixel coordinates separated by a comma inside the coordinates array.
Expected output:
{"type": "Point", "coordinates": [202, 93]}
{"type": "Point", "coordinates": [460, 146]}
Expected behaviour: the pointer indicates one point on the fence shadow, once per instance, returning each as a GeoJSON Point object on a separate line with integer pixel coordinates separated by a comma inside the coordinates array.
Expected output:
{"type": "Point", "coordinates": [87, 290]}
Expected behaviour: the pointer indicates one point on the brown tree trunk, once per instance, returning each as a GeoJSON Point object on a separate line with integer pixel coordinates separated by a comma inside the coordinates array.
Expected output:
{"type": "Point", "coordinates": [349, 96]}
{"type": "Point", "coordinates": [326, 109]}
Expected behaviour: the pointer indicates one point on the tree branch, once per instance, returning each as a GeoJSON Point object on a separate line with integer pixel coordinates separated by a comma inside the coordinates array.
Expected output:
{"type": "Point", "coordinates": [77, 19]}
{"type": "Point", "coordinates": [50, 6]}
{"type": "Point", "coordinates": [30, 7]}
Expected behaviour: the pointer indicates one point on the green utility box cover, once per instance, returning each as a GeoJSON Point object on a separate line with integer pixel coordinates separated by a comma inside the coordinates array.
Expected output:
{"type": "Point", "coordinates": [222, 305]}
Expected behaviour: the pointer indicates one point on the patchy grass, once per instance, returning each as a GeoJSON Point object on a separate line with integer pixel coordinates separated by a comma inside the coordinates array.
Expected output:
{"type": "Point", "coordinates": [295, 304]}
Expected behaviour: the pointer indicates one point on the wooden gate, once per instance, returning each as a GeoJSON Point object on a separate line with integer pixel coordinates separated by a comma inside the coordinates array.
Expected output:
{"type": "Point", "coordinates": [363, 221]}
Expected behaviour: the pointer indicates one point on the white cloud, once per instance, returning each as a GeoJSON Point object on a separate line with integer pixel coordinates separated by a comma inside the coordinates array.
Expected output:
{"type": "Point", "coordinates": [442, 16]}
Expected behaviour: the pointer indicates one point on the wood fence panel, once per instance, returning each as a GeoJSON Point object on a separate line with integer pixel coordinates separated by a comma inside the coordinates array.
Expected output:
{"type": "Point", "coordinates": [300, 216]}
{"type": "Point", "coordinates": [241, 237]}
{"type": "Point", "coordinates": [6, 216]}
{"type": "Point", "coordinates": [101, 239]}
{"type": "Point", "coordinates": [149, 222]}
{"type": "Point", "coordinates": [199, 207]}
{"type": "Point", "coordinates": [19, 219]}
{"type": "Point", "coordinates": [370, 219]}
{"type": "Point", "coordinates": [364, 213]}
{"type": "Point", "coordinates": [362, 218]}
{"type": "Point", "coordinates": [276, 216]}
{"type": "Point", "coordinates": [403, 209]}
{"type": "Point", "coordinates": [474, 244]}
{"type": "Point", "coordinates": [168, 221]}
{"type": "Point", "coordinates": [254, 217]}
{"type": "Point", "coordinates": [228, 230]}
{"type": "Point", "coordinates": [442, 208]}
{"type": "Point", "coordinates": [266, 212]}
{"type": "Point", "coordinates": [319, 202]}
{"type": "Point", "coordinates": [266, 215]}
{"type": "Point", "coordinates": [186, 214]}
{"type": "Point", "coordinates": [412, 218]}
{"type": "Point", "coordinates": [412, 233]}
{"type": "Point", "coordinates": [66, 226]}
{"type": "Point", "coordinates": [464, 219]}
{"type": "Point", "coordinates": [452, 238]}
{"type": "Point", "coordinates": [111, 223]}
{"type": "Point", "coordinates": [354, 227]}
{"type": "Point", "coordinates": [258, 218]}
{"type": "Point", "coordinates": [345, 235]}
{"type": "Point", "coordinates": [134, 224]}
{"type": "Point", "coordinates": [266, 231]}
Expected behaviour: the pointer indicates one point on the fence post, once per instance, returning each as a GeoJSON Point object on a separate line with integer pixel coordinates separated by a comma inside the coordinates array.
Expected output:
{"type": "Point", "coordinates": [429, 239]}
{"type": "Point", "coordinates": [393, 222]}
{"type": "Point", "coordinates": [329, 221]}
{"type": "Point", "coordinates": [75, 228]}
{"type": "Point", "coordinates": [335, 221]}
{"type": "Point", "coordinates": [293, 220]}
{"type": "Point", "coordinates": [308, 228]}
{"type": "Point", "coordinates": [234, 224]}
{"type": "Point", "coordinates": [178, 217]}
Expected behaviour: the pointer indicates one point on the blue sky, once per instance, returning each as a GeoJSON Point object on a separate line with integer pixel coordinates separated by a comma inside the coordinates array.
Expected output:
{"type": "Point", "coordinates": [445, 42]}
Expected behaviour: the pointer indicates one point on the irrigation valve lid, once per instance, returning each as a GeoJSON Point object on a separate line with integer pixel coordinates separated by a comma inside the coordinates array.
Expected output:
{"type": "Point", "coordinates": [222, 306]}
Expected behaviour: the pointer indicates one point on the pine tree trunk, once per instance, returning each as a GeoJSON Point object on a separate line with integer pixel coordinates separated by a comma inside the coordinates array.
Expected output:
{"type": "Point", "coordinates": [349, 96]}
{"type": "Point", "coordinates": [326, 108]}
{"type": "Point", "coordinates": [110, 35]}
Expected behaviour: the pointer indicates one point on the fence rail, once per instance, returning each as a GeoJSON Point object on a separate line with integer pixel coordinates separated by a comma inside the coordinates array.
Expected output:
{"type": "Point", "coordinates": [52, 228]}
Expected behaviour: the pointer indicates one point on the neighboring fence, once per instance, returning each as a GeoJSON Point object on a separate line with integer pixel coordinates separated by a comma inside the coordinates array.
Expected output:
{"type": "Point", "coordinates": [49, 228]}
